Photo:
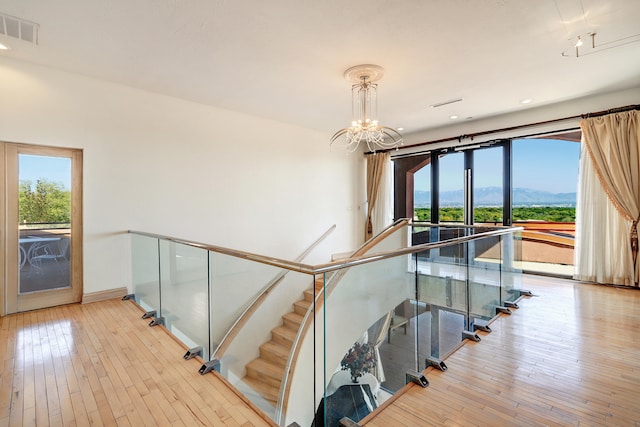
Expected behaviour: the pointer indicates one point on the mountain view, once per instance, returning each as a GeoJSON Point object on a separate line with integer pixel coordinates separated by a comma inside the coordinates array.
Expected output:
{"type": "Point", "coordinates": [492, 196]}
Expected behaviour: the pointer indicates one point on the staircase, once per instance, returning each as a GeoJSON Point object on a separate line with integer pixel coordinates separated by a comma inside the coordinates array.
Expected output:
{"type": "Point", "coordinates": [264, 374]}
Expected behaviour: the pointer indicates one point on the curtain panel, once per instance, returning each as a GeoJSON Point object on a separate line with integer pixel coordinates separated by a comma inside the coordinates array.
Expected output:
{"type": "Point", "coordinates": [378, 192]}
{"type": "Point", "coordinates": [612, 143]}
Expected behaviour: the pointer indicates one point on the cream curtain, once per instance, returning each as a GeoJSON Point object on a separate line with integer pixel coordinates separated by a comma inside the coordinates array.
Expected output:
{"type": "Point", "coordinates": [613, 146]}
{"type": "Point", "coordinates": [599, 256]}
{"type": "Point", "coordinates": [378, 193]}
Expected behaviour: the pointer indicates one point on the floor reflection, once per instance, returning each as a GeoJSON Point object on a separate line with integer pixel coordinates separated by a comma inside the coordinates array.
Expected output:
{"type": "Point", "coordinates": [44, 341]}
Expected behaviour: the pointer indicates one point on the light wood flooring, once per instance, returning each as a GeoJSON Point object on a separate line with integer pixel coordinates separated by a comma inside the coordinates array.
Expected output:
{"type": "Point", "coordinates": [101, 364]}
{"type": "Point", "coordinates": [569, 356]}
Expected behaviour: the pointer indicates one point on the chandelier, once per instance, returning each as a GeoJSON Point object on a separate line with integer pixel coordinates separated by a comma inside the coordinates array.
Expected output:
{"type": "Point", "coordinates": [364, 112]}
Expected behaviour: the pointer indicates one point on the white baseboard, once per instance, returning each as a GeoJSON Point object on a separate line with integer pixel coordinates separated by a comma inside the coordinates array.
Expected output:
{"type": "Point", "coordinates": [103, 295]}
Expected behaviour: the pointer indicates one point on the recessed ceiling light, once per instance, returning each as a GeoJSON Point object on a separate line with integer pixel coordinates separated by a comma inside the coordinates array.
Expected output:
{"type": "Point", "coordinates": [453, 117]}
{"type": "Point", "coordinates": [400, 129]}
{"type": "Point", "coordinates": [4, 47]}
{"type": "Point", "coordinates": [526, 101]}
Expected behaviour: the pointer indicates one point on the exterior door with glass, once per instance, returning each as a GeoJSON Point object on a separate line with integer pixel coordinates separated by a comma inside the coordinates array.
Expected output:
{"type": "Point", "coordinates": [42, 243]}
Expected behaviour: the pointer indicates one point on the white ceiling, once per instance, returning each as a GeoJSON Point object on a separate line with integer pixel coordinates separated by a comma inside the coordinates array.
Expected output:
{"type": "Point", "coordinates": [284, 59]}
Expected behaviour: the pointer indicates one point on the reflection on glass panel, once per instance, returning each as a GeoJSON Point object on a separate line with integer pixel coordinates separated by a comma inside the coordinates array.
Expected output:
{"type": "Point", "coordinates": [487, 186]}
{"type": "Point", "coordinates": [545, 177]}
{"type": "Point", "coordinates": [145, 271]}
{"type": "Point", "coordinates": [511, 245]}
{"type": "Point", "coordinates": [445, 328]}
{"type": "Point", "coordinates": [364, 295]}
{"type": "Point", "coordinates": [484, 274]}
{"type": "Point", "coordinates": [44, 223]}
{"type": "Point", "coordinates": [452, 187]}
{"type": "Point", "coordinates": [399, 345]}
{"type": "Point", "coordinates": [185, 293]}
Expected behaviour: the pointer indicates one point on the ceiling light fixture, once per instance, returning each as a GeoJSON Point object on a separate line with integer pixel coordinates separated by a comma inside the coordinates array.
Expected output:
{"type": "Point", "coordinates": [579, 42]}
{"type": "Point", "coordinates": [453, 117]}
{"type": "Point", "coordinates": [4, 47]}
{"type": "Point", "coordinates": [526, 101]}
{"type": "Point", "coordinates": [364, 113]}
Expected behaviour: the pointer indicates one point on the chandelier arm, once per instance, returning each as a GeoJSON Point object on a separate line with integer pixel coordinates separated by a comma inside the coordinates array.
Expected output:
{"type": "Point", "coordinates": [338, 135]}
{"type": "Point", "coordinates": [392, 132]}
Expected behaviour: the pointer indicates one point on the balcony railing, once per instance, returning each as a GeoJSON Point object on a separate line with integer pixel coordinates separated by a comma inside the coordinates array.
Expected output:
{"type": "Point", "coordinates": [410, 296]}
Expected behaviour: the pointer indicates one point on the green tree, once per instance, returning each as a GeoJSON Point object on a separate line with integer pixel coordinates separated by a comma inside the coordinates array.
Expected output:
{"type": "Point", "coordinates": [46, 201]}
{"type": "Point", "coordinates": [494, 214]}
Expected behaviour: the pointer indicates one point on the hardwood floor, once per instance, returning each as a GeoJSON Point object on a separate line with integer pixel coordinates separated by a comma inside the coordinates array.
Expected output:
{"type": "Point", "coordinates": [100, 364]}
{"type": "Point", "coordinates": [568, 356]}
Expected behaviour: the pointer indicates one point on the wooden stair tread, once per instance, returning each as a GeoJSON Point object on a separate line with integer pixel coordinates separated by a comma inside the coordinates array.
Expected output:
{"type": "Point", "coordinates": [284, 334]}
{"type": "Point", "coordinates": [309, 294]}
{"type": "Point", "coordinates": [275, 352]}
{"type": "Point", "coordinates": [292, 319]}
{"type": "Point", "coordinates": [269, 392]}
{"type": "Point", "coordinates": [266, 367]}
{"type": "Point", "coordinates": [301, 307]}
{"type": "Point", "coordinates": [265, 371]}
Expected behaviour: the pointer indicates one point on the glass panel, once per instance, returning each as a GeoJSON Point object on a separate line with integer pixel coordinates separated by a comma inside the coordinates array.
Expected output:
{"type": "Point", "coordinates": [145, 271]}
{"type": "Point", "coordinates": [511, 273]}
{"type": "Point", "coordinates": [484, 277]}
{"type": "Point", "coordinates": [422, 194]}
{"type": "Point", "coordinates": [451, 193]}
{"type": "Point", "coordinates": [443, 332]}
{"type": "Point", "coordinates": [184, 288]}
{"type": "Point", "coordinates": [355, 306]}
{"type": "Point", "coordinates": [487, 186]}
{"type": "Point", "coordinates": [300, 397]}
{"type": "Point", "coordinates": [235, 283]}
{"type": "Point", "coordinates": [44, 208]}
{"type": "Point", "coordinates": [406, 327]}
{"type": "Point", "coordinates": [372, 323]}
{"type": "Point", "coordinates": [442, 296]}
{"type": "Point", "coordinates": [545, 177]}
{"type": "Point", "coordinates": [254, 360]}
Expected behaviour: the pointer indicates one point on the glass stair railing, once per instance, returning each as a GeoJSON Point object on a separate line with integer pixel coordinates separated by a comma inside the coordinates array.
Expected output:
{"type": "Point", "coordinates": [292, 337]}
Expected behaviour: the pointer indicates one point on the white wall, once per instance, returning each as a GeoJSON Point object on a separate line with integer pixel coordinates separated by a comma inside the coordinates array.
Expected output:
{"type": "Point", "coordinates": [164, 165]}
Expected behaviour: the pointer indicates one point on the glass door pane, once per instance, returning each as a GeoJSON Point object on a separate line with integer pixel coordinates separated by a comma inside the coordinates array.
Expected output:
{"type": "Point", "coordinates": [545, 180]}
{"type": "Point", "coordinates": [487, 186]}
{"type": "Point", "coordinates": [451, 191]}
{"type": "Point", "coordinates": [44, 222]}
{"type": "Point", "coordinates": [422, 194]}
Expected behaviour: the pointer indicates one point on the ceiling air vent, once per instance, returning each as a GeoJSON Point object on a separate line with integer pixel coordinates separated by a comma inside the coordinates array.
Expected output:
{"type": "Point", "coordinates": [443, 103]}
{"type": "Point", "coordinates": [19, 28]}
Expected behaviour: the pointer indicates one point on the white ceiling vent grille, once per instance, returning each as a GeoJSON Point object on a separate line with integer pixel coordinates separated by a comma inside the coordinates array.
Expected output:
{"type": "Point", "coordinates": [19, 28]}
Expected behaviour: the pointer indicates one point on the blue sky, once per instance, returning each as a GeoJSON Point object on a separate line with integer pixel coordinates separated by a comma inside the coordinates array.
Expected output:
{"type": "Point", "coordinates": [57, 169]}
{"type": "Point", "coordinates": [540, 164]}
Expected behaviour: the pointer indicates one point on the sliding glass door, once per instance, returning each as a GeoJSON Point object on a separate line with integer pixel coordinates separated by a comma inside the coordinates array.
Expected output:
{"type": "Point", "coordinates": [43, 241]}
